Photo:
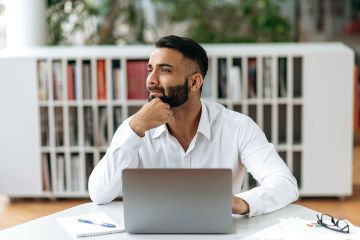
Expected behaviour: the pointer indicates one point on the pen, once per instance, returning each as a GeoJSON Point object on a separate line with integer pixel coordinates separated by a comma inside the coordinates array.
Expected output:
{"type": "Point", "coordinates": [100, 224]}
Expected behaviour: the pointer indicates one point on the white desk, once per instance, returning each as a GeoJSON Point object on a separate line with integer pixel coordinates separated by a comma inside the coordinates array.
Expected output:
{"type": "Point", "coordinates": [47, 227]}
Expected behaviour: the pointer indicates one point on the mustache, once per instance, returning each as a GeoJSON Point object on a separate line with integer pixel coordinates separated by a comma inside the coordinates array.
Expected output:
{"type": "Point", "coordinates": [155, 88]}
{"type": "Point", "coordinates": [163, 98]}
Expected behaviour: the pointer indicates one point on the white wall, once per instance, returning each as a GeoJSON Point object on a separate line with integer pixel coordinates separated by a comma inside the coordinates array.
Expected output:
{"type": "Point", "coordinates": [25, 23]}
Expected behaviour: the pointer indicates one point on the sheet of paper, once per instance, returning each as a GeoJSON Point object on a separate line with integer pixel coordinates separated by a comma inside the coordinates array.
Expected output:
{"type": "Point", "coordinates": [299, 229]}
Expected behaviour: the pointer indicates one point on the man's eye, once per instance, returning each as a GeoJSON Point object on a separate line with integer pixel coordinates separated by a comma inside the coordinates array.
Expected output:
{"type": "Point", "coordinates": [149, 70]}
{"type": "Point", "coordinates": [165, 70]}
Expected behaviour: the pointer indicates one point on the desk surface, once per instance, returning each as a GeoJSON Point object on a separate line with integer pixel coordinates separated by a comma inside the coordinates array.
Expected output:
{"type": "Point", "coordinates": [47, 227]}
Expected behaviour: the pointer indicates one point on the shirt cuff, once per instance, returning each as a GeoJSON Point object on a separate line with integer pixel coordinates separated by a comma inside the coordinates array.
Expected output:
{"type": "Point", "coordinates": [255, 207]}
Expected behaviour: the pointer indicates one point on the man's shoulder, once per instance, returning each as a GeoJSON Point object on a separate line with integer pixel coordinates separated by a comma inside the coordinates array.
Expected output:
{"type": "Point", "coordinates": [217, 111]}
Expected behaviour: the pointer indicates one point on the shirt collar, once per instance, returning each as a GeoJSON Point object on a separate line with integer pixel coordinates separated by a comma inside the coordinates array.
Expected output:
{"type": "Point", "coordinates": [203, 128]}
{"type": "Point", "coordinates": [204, 124]}
{"type": "Point", "coordinates": [156, 132]}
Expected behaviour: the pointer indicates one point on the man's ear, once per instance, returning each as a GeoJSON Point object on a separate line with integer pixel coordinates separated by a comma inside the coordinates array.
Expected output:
{"type": "Point", "coordinates": [196, 82]}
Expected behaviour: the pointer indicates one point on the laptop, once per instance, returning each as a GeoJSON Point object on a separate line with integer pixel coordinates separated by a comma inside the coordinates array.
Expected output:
{"type": "Point", "coordinates": [177, 200]}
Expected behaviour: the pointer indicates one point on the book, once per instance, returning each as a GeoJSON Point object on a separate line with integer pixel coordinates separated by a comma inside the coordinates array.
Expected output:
{"type": "Point", "coordinates": [57, 81]}
{"type": "Point", "coordinates": [252, 77]}
{"type": "Point", "coordinates": [93, 224]}
{"type": "Point", "coordinates": [44, 121]}
{"type": "Point", "coordinates": [87, 88]}
{"type": "Point", "coordinates": [103, 127]}
{"type": "Point", "coordinates": [89, 166]}
{"type": "Point", "coordinates": [60, 173]}
{"type": "Point", "coordinates": [116, 80]}
{"type": "Point", "coordinates": [267, 77]}
{"type": "Point", "coordinates": [59, 126]}
{"type": "Point", "coordinates": [297, 77]}
{"type": "Point", "coordinates": [117, 83]}
{"type": "Point", "coordinates": [235, 83]}
{"type": "Point", "coordinates": [282, 77]}
{"type": "Point", "coordinates": [73, 126]}
{"type": "Point", "coordinates": [101, 80]}
{"type": "Point", "coordinates": [75, 173]}
{"type": "Point", "coordinates": [42, 80]}
{"type": "Point", "coordinates": [117, 118]}
{"type": "Point", "coordinates": [46, 172]}
{"type": "Point", "coordinates": [136, 79]}
{"type": "Point", "coordinates": [71, 81]}
{"type": "Point", "coordinates": [222, 78]}
{"type": "Point", "coordinates": [88, 126]}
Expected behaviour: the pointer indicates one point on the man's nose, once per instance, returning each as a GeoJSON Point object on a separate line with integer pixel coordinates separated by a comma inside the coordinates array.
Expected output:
{"type": "Point", "coordinates": [152, 78]}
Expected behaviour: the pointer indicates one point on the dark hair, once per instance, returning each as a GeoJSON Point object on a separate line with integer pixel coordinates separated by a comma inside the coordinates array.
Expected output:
{"type": "Point", "coordinates": [188, 47]}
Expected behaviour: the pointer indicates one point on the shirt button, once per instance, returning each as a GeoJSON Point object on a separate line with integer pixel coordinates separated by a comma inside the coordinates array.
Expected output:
{"type": "Point", "coordinates": [187, 161]}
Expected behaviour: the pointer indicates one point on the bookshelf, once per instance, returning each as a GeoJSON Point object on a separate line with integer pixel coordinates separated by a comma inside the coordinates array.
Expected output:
{"type": "Point", "coordinates": [61, 106]}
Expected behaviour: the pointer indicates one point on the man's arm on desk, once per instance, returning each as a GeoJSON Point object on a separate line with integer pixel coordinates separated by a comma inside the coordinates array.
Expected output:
{"type": "Point", "coordinates": [277, 186]}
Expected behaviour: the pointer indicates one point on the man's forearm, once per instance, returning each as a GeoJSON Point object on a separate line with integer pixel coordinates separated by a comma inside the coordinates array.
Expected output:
{"type": "Point", "coordinates": [105, 181]}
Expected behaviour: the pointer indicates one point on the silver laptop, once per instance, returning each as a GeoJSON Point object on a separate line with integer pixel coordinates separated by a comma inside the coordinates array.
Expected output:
{"type": "Point", "coordinates": [177, 200]}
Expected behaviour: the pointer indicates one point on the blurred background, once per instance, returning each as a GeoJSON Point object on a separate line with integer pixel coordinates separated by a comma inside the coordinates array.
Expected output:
{"type": "Point", "coordinates": [116, 22]}
{"type": "Point", "coordinates": [31, 23]}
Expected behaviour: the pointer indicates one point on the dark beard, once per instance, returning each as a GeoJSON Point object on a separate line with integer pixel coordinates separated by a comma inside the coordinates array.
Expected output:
{"type": "Point", "coordinates": [177, 95]}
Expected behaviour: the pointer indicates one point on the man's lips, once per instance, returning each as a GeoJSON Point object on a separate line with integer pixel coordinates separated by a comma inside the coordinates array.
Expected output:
{"type": "Point", "coordinates": [155, 92]}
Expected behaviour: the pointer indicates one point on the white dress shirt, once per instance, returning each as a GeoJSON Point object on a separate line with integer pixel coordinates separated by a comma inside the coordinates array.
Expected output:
{"type": "Point", "coordinates": [224, 139]}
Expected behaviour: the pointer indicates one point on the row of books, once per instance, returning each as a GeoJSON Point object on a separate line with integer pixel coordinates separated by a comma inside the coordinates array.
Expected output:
{"type": "Point", "coordinates": [231, 83]}
{"type": "Point", "coordinates": [136, 74]}
{"type": "Point", "coordinates": [95, 130]}
{"type": "Point", "coordinates": [283, 121]}
{"type": "Point", "coordinates": [55, 178]}
{"type": "Point", "coordinates": [95, 124]}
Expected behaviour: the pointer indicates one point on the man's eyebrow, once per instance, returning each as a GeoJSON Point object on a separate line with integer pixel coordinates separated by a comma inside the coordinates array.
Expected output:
{"type": "Point", "coordinates": [164, 65]}
{"type": "Point", "coordinates": [149, 66]}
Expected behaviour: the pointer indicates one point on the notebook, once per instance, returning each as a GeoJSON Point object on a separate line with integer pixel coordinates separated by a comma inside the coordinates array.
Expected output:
{"type": "Point", "coordinates": [89, 225]}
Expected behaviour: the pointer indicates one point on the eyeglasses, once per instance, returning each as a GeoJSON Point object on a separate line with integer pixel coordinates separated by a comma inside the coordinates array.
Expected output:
{"type": "Point", "coordinates": [328, 221]}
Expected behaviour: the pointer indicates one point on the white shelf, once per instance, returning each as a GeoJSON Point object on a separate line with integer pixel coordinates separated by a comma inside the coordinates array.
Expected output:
{"type": "Point", "coordinates": [299, 94]}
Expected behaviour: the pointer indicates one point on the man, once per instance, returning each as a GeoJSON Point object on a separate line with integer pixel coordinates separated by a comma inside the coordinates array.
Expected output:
{"type": "Point", "coordinates": [176, 129]}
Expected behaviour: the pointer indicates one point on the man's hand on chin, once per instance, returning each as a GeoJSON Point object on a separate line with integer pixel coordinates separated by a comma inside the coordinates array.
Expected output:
{"type": "Point", "coordinates": [239, 206]}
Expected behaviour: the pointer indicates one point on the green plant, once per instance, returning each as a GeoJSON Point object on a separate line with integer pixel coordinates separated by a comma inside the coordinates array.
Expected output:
{"type": "Point", "coordinates": [95, 22]}
{"type": "Point", "coordinates": [230, 21]}
{"type": "Point", "coordinates": [212, 21]}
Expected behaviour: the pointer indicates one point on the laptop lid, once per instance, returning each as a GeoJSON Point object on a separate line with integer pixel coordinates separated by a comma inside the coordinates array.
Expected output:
{"type": "Point", "coordinates": [177, 200]}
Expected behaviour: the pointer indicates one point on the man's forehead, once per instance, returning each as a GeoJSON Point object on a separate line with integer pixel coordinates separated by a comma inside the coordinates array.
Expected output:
{"type": "Point", "coordinates": [165, 55]}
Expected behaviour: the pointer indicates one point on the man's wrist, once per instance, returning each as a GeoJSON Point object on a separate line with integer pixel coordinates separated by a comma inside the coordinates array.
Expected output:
{"type": "Point", "coordinates": [137, 128]}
